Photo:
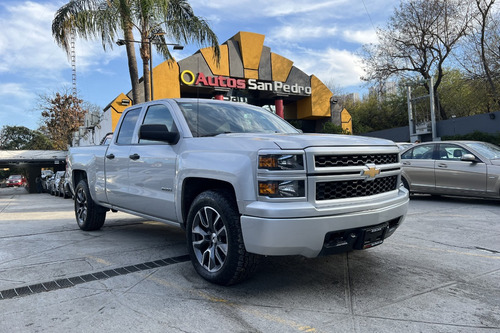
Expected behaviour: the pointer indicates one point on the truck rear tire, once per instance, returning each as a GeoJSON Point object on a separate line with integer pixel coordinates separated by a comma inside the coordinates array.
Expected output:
{"type": "Point", "coordinates": [215, 241]}
{"type": "Point", "coordinates": [89, 215]}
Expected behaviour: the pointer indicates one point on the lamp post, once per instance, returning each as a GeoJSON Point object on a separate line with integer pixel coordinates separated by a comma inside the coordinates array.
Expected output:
{"type": "Point", "coordinates": [121, 42]}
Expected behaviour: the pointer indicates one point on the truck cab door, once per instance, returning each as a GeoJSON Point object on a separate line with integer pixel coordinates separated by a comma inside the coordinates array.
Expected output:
{"type": "Point", "coordinates": [117, 159]}
{"type": "Point", "coordinates": [152, 167]}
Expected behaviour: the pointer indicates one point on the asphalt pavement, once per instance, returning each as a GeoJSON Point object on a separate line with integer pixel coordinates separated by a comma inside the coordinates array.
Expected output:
{"type": "Point", "coordinates": [440, 272]}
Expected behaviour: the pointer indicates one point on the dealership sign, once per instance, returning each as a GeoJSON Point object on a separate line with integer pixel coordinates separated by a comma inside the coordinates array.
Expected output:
{"type": "Point", "coordinates": [189, 78]}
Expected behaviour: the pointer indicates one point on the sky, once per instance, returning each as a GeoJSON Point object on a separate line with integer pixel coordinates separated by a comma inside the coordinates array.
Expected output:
{"type": "Point", "coordinates": [321, 37]}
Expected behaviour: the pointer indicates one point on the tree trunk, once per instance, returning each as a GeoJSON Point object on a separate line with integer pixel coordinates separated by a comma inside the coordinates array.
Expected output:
{"type": "Point", "coordinates": [132, 66]}
{"type": "Point", "coordinates": [126, 22]}
{"type": "Point", "coordinates": [146, 58]}
{"type": "Point", "coordinates": [440, 108]}
{"type": "Point", "coordinates": [487, 72]}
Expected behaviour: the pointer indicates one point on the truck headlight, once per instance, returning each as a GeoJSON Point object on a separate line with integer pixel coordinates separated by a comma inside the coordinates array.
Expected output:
{"type": "Point", "coordinates": [281, 162]}
{"type": "Point", "coordinates": [282, 188]}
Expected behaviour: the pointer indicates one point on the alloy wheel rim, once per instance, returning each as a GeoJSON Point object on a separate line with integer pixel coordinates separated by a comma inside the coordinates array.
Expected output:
{"type": "Point", "coordinates": [209, 239]}
{"type": "Point", "coordinates": [81, 206]}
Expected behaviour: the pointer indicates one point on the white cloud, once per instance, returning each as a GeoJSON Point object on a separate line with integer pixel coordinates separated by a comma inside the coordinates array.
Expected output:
{"type": "Point", "coordinates": [360, 36]}
{"type": "Point", "coordinates": [342, 67]}
{"type": "Point", "coordinates": [15, 90]}
{"type": "Point", "coordinates": [283, 8]}
{"type": "Point", "coordinates": [26, 42]}
{"type": "Point", "coordinates": [298, 33]}
{"type": "Point", "coordinates": [267, 8]}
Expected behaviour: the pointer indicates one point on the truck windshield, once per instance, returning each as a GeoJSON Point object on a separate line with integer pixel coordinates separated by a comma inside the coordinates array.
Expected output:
{"type": "Point", "coordinates": [210, 119]}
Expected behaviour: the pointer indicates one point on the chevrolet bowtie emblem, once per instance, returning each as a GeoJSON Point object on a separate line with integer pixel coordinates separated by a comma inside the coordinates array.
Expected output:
{"type": "Point", "coordinates": [370, 172]}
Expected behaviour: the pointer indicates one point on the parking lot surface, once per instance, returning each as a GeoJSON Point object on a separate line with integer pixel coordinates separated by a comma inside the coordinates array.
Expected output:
{"type": "Point", "coordinates": [439, 272]}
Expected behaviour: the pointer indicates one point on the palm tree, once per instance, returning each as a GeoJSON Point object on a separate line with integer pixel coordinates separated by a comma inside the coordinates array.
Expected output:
{"type": "Point", "coordinates": [175, 19]}
{"type": "Point", "coordinates": [155, 20]}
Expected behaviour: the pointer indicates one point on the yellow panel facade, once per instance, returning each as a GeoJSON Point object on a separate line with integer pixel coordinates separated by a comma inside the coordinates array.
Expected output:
{"type": "Point", "coordinates": [251, 45]}
{"type": "Point", "coordinates": [281, 67]}
{"type": "Point", "coordinates": [346, 120]}
{"type": "Point", "coordinates": [304, 108]}
{"type": "Point", "coordinates": [117, 107]}
{"type": "Point", "coordinates": [251, 74]}
{"type": "Point", "coordinates": [318, 104]}
{"type": "Point", "coordinates": [166, 80]}
{"type": "Point", "coordinates": [221, 68]}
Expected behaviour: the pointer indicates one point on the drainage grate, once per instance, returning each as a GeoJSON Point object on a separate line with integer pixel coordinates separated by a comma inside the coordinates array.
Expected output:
{"type": "Point", "coordinates": [102, 275]}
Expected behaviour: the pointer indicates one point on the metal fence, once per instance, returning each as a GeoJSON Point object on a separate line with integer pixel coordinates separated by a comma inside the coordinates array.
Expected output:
{"type": "Point", "coordinates": [486, 123]}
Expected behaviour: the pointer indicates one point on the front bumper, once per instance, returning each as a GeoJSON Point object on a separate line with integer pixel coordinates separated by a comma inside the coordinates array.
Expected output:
{"type": "Point", "coordinates": [313, 236]}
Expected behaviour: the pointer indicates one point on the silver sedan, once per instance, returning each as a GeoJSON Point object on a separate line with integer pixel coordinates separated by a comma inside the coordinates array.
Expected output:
{"type": "Point", "coordinates": [465, 168]}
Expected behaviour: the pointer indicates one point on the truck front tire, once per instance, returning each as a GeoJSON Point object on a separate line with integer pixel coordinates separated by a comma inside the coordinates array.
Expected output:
{"type": "Point", "coordinates": [89, 215]}
{"type": "Point", "coordinates": [215, 241]}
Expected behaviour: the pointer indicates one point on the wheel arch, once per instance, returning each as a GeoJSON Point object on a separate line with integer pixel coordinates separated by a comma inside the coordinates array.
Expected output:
{"type": "Point", "coordinates": [405, 182]}
{"type": "Point", "coordinates": [193, 186]}
{"type": "Point", "coordinates": [77, 176]}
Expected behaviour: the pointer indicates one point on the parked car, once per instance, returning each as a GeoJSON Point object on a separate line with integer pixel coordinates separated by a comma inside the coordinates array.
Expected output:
{"type": "Point", "coordinates": [16, 180]}
{"type": "Point", "coordinates": [45, 176]}
{"type": "Point", "coordinates": [404, 145]}
{"type": "Point", "coordinates": [59, 176]}
{"type": "Point", "coordinates": [64, 187]}
{"type": "Point", "coordinates": [464, 168]}
{"type": "Point", "coordinates": [50, 184]}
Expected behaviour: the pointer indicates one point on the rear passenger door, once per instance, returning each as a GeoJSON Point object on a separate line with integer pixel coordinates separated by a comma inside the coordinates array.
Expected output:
{"type": "Point", "coordinates": [418, 167]}
{"type": "Point", "coordinates": [116, 161]}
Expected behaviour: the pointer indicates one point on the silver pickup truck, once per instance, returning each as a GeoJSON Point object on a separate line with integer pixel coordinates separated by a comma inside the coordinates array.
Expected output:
{"type": "Point", "coordinates": [242, 182]}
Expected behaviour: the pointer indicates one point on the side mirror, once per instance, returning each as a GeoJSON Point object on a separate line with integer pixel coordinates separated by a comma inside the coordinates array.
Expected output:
{"type": "Point", "coordinates": [158, 132]}
{"type": "Point", "coordinates": [468, 158]}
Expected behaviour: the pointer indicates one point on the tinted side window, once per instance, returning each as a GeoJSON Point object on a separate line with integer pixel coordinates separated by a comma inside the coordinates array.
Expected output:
{"type": "Point", "coordinates": [451, 152]}
{"type": "Point", "coordinates": [127, 127]}
{"type": "Point", "coordinates": [419, 152]}
{"type": "Point", "coordinates": [407, 154]}
{"type": "Point", "coordinates": [159, 114]}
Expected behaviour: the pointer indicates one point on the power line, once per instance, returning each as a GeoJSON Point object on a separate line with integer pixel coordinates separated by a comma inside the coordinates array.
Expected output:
{"type": "Point", "coordinates": [366, 9]}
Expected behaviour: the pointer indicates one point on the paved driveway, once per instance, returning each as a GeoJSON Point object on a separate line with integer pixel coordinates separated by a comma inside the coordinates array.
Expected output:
{"type": "Point", "coordinates": [439, 272]}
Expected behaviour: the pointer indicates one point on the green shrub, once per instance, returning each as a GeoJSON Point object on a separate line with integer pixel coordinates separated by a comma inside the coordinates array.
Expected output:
{"type": "Point", "coordinates": [331, 128]}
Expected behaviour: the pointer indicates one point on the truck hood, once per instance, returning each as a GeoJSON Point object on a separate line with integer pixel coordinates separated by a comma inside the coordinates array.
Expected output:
{"type": "Point", "coordinates": [302, 141]}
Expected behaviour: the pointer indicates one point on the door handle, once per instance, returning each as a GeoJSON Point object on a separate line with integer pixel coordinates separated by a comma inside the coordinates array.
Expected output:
{"type": "Point", "coordinates": [134, 156]}
{"type": "Point", "coordinates": [442, 165]}
{"type": "Point", "coordinates": [110, 156]}
{"type": "Point", "coordinates": [406, 163]}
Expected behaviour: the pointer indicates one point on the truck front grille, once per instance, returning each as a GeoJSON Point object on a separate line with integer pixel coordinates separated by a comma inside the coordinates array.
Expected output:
{"type": "Point", "coordinates": [354, 188]}
{"type": "Point", "coordinates": [326, 161]}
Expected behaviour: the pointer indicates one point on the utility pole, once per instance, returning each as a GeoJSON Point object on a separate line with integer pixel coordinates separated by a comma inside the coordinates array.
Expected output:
{"type": "Point", "coordinates": [73, 64]}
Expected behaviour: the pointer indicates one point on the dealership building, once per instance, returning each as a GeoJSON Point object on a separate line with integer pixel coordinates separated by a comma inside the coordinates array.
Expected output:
{"type": "Point", "coordinates": [246, 71]}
